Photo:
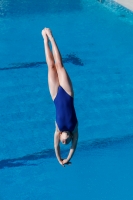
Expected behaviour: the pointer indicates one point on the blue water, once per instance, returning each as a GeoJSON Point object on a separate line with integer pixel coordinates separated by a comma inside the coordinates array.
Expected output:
{"type": "Point", "coordinates": [96, 43]}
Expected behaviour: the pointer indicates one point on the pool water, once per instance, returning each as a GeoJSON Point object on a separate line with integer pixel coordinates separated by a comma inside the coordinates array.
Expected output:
{"type": "Point", "coordinates": [95, 40]}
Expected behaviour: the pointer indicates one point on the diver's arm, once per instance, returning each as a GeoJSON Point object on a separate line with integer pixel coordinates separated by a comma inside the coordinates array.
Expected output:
{"type": "Point", "coordinates": [57, 147]}
{"type": "Point", "coordinates": [72, 149]}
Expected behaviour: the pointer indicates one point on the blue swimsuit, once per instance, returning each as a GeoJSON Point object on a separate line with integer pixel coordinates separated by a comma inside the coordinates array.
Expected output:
{"type": "Point", "coordinates": [65, 113]}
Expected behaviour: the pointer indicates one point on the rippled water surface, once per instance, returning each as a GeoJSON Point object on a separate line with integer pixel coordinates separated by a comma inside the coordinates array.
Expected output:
{"type": "Point", "coordinates": [96, 43]}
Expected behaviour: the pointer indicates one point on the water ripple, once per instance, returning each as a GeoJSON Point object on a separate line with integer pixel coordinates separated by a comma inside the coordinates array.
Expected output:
{"type": "Point", "coordinates": [122, 12]}
{"type": "Point", "coordinates": [49, 153]}
{"type": "Point", "coordinates": [11, 8]}
{"type": "Point", "coordinates": [70, 58]}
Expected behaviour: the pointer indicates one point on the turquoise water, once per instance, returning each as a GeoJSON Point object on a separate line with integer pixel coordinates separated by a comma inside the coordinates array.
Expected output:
{"type": "Point", "coordinates": [96, 43]}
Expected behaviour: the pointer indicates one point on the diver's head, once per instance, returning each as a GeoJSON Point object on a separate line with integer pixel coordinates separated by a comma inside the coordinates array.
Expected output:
{"type": "Point", "coordinates": [65, 137]}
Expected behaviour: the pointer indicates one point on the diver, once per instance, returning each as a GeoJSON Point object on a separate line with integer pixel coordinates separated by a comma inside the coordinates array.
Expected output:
{"type": "Point", "coordinates": [61, 90]}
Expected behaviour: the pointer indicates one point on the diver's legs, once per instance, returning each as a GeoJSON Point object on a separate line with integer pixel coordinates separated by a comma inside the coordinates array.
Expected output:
{"type": "Point", "coordinates": [53, 81]}
{"type": "Point", "coordinates": [64, 79]}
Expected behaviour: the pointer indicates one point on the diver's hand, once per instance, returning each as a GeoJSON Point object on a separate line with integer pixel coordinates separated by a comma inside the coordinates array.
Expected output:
{"type": "Point", "coordinates": [66, 162]}
{"type": "Point", "coordinates": [61, 162]}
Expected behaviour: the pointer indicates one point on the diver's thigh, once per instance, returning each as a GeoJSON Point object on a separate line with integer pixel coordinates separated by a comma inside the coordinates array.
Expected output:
{"type": "Point", "coordinates": [53, 82]}
{"type": "Point", "coordinates": [65, 81]}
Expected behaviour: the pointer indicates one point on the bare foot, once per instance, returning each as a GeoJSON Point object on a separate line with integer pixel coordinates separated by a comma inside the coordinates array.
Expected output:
{"type": "Point", "coordinates": [44, 34]}
{"type": "Point", "coordinates": [48, 32]}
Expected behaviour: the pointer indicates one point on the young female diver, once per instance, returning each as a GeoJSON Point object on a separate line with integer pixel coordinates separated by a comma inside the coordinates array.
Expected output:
{"type": "Point", "coordinates": [61, 91]}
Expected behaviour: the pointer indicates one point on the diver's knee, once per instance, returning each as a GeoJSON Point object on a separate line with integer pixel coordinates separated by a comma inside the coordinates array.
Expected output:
{"type": "Point", "coordinates": [51, 65]}
{"type": "Point", "coordinates": [59, 66]}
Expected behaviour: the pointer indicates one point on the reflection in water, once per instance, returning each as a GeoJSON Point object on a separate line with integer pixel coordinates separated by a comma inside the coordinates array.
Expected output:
{"type": "Point", "coordinates": [101, 1]}
{"type": "Point", "coordinates": [122, 15]}
{"type": "Point", "coordinates": [9, 8]}
{"type": "Point", "coordinates": [70, 58]}
{"type": "Point", "coordinates": [49, 153]}
{"type": "Point", "coordinates": [23, 65]}
{"type": "Point", "coordinates": [22, 161]}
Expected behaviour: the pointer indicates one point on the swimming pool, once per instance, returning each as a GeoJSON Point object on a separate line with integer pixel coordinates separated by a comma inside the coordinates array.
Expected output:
{"type": "Point", "coordinates": [96, 44]}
